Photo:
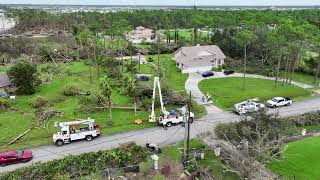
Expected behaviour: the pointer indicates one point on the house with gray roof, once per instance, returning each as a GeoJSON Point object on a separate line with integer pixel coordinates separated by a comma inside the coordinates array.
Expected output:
{"type": "Point", "coordinates": [198, 58]}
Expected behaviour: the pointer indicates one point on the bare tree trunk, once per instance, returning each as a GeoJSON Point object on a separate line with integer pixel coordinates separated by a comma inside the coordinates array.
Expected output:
{"type": "Point", "coordinates": [317, 73]}
{"type": "Point", "coordinates": [244, 67]}
{"type": "Point", "coordinates": [110, 108]}
{"type": "Point", "coordinates": [295, 62]}
{"type": "Point", "coordinates": [285, 72]}
{"type": "Point", "coordinates": [278, 69]}
{"type": "Point", "coordinates": [159, 57]}
{"type": "Point", "coordinates": [139, 60]}
{"type": "Point", "coordinates": [89, 61]}
{"type": "Point", "coordinates": [195, 30]}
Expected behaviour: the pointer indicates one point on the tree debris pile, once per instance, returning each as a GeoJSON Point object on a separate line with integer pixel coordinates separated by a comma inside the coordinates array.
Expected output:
{"type": "Point", "coordinates": [144, 93]}
{"type": "Point", "coordinates": [258, 138]}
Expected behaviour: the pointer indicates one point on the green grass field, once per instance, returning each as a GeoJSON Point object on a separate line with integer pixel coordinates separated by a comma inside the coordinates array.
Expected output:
{"type": "Point", "coordinates": [304, 78]}
{"type": "Point", "coordinates": [187, 34]}
{"type": "Point", "coordinates": [226, 92]}
{"type": "Point", "coordinates": [172, 76]}
{"type": "Point", "coordinates": [301, 160]}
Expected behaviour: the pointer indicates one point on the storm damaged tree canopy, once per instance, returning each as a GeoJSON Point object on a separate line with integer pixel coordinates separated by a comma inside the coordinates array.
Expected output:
{"type": "Point", "coordinates": [23, 75]}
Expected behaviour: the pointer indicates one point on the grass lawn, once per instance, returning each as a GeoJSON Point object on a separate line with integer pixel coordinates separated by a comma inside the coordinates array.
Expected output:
{"type": "Point", "coordinates": [187, 34]}
{"type": "Point", "coordinates": [211, 161]}
{"type": "Point", "coordinates": [304, 78]}
{"type": "Point", "coordinates": [301, 160]}
{"type": "Point", "coordinates": [172, 76]}
{"type": "Point", "coordinates": [226, 92]}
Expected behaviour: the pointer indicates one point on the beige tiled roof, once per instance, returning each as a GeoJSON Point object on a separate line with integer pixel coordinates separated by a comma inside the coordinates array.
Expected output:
{"type": "Point", "coordinates": [140, 32]}
{"type": "Point", "coordinates": [198, 55]}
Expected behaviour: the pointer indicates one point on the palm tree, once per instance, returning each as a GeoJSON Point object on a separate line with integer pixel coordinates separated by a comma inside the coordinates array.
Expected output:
{"type": "Point", "coordinates": [106, 91]}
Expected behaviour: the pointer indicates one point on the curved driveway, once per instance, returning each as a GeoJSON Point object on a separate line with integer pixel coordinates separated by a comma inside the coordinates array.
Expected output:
{"type": "Point", "coordinates": [157, 135]}
{"type": "Point", "coordinates": [195, 78]}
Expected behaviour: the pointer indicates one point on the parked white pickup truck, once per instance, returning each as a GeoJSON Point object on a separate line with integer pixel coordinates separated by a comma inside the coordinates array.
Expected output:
{"type": "Point", "coordinates": [279, 101]}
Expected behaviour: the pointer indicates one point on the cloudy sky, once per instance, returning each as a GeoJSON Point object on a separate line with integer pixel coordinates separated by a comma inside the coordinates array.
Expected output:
{"type": "Point", "coordinates": [167, 2]}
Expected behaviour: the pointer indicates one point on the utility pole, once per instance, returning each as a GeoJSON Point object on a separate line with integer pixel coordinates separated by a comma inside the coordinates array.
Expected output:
{"type": "Point", "coordinates": [187, 131]}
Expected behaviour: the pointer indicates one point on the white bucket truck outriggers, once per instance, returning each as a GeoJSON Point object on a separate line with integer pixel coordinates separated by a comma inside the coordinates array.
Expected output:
{"type": "Point", "coordinates": [75, 130]}
{"type": "Point", "coordinates": [248, 106]}
{"type": "Point", "coordinates": [167, 118]}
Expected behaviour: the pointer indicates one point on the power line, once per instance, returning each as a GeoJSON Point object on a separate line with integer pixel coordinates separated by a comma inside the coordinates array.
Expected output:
{"type": "Point", "coordinates": [209, 120]}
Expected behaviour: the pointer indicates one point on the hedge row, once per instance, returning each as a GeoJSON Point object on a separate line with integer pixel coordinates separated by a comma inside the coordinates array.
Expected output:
{"type": "Point", "coordinates": [81, 165]}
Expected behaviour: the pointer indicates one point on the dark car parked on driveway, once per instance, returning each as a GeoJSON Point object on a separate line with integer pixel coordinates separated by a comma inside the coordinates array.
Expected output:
{"type": "Point", "coordinates": [16, 156]}
{"type": "Point", "coordinates": [228, 72]}
{"type": "Point", "coordinates": [207, 74]}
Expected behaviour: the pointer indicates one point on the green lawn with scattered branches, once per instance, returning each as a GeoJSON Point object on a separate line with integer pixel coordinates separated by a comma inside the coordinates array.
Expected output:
{"type": "Point", "coordinates": [14, 123]}
{"type": "Point", "coordinates": [226, 92]}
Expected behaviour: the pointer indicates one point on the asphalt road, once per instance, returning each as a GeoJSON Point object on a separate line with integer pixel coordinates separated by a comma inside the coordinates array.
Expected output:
{"type": "Point", "coordinates": [157, 135]}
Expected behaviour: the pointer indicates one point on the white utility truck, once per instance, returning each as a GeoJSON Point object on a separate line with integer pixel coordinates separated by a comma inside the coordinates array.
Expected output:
{"type": "Point", "coordinates": [167, 118]}
{"type": "Point", "coordinates": [248, 106]}
{"type": "Point", "coordinates": [75, 130]}
{"type": "Point", "coordinates": [279, 101]}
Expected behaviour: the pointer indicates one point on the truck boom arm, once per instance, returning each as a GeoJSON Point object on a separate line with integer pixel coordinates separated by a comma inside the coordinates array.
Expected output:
{"type": "Point", "coordinates": [156, 84]}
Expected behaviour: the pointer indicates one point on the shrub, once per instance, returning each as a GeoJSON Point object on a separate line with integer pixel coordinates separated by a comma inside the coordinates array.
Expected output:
{"type": "Point", "coordinates": [71, 90]}
{"type": "Point", "coordinates": [88, 104]}
{"type": "Point", "coordinates": [84, 164]}
{"type": "Point", "coordinates": [220, 67]}
{"type": "Point", "coordinates": [307, 119]}
{"type": "Point", "coordinates": [145, 104]}
{"type": "Point", "coordinates": [39, 102]}
{"type": "Point", "coordinates": [4, 103]}
{"type": "Point", "coordinates": [150, 59]}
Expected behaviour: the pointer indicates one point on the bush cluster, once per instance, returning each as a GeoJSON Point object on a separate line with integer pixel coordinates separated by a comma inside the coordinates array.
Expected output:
{"type": "Point", "coordinates": [71, 90]}
{"type": "Point", "coordinates": [81, 165]}
{"type": "Point", "coordinates": [4, 103]}
{"type": "Point", "coordinates": [39, 102]}
{"type": "Point", "coordinates": [88, 104]}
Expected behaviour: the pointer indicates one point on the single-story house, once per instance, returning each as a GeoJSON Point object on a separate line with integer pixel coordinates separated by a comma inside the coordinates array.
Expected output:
{"type": "Point", "coordinates": [140, 34]}
{"type": "Point", "coordinates": [198, 58]}
{"type": "Point", "coordinates": [5, 83]}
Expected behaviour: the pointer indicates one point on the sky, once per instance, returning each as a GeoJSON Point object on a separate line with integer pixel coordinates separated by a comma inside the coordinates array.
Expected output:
{"type": "Point", "coordinates": [169, 2]}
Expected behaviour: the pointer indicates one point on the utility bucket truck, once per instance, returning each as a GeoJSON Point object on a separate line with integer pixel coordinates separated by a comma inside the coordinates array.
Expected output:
{"type": "Point", "coordinates": [167, 118]}
{"type": "Point", "coordinates": [248, 106]}
{"type": "Point", "coordinates": [75, 130]}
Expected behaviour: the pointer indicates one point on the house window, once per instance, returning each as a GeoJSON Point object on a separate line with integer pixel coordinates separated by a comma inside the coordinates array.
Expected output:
{"type": "Point", "coordinates": [178, 64]}
{"type": "Point", "coordinates": [219, 61]}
